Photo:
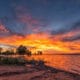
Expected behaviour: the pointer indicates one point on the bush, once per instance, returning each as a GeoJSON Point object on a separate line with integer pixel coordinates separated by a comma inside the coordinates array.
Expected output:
{"type": "Point", "coordinates": [8, 52]}
{"type": "Point", "coordinates": [12, 61]}
{"type": "Point", "coordinates": [22, 50]}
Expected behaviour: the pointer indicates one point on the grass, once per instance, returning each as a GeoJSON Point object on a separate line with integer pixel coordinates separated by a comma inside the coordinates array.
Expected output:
{"type": "Point", "coordinates": [12, 61]}
{"type": "Point", "coordinates": [19, 61]}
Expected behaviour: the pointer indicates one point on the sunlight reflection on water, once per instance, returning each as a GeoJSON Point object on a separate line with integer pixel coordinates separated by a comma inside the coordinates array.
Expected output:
{"type": "Point", "coordinates": [64, 62]}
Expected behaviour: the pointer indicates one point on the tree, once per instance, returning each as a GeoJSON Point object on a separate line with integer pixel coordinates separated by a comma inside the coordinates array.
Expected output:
{"type": "Point", "coordinates": [23, 50]}
{"type": "Point", "coordinates": [1, 50]}
{"type": "Point", "coordinates": [12, 51]}
{"type": "Point", "coordinates": [8, 52]}
{"type": "Point", "coordinates": [39, 52]}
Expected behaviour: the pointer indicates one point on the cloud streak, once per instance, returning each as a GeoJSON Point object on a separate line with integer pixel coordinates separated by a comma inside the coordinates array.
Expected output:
{"type": "Point", "coordinates": [67, 41]}
{"type": "Point", "coordinates": [29, 30]}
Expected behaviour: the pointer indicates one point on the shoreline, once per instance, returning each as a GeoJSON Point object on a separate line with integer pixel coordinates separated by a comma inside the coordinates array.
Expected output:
{"type": "Point", "coordinates": [30, 72]}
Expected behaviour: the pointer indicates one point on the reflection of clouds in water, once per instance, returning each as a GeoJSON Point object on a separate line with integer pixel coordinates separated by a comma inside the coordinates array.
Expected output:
{"type": "Point", "coordinates": [57, 61]}
{"type": "Point", "coordinates": [65, 62]}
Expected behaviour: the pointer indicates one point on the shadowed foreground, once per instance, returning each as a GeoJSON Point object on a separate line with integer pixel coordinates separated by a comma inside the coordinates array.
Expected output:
{"type": "Point", "coordinates": [34, 72]}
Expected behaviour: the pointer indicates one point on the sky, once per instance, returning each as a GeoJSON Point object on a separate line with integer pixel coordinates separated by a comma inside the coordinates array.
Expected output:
{"type": "Point", "coordinates": [47, 25]}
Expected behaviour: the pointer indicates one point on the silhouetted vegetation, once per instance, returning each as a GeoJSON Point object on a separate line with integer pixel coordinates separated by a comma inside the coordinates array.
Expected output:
{"type": "Point", "coordinates": [8, 52]}
{"type": "Point", "coordinates": [11, 61]}
{"type": "Point", "coordinates": [0, 50]}
{"type": "Point", "coordinates": [20, 61]}
{"type": "Point", "coordinates": [39, 52]}
{"type": "Point", "coordinates": [22, 50]}
{"type": "Point", "coordinates": [35, 62]}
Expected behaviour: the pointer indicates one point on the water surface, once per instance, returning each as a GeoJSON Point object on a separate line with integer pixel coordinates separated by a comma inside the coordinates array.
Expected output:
{"type": "Point", "coordinates": [65, 62]}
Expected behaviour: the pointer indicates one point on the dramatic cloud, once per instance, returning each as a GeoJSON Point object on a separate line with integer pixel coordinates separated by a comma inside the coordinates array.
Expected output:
{"type": "Point", "coordinates": [73, 38]}
{"type": "Point", "coordinates": [76, 26]}
{"type": "Point", "coordinates": [54, 27]}
{"type": "Point", "coordinates": [32, 23]}
{"type": "Point", "coordinates": [43, 42]}
{"type": "Point", "coordinates": [3, 29]}
{"type": "Point", "coordinates": [75, 31]}
{"type": "Point", "coordinates": [65, 42]}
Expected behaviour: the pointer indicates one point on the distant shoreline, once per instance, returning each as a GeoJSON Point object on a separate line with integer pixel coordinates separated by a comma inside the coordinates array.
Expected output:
{"type": "Point", "coordinates": [57, 54]}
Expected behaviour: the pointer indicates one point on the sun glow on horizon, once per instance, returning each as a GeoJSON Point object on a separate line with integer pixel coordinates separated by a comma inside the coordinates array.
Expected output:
{"type": "Point", "coordinates": [43, 42]}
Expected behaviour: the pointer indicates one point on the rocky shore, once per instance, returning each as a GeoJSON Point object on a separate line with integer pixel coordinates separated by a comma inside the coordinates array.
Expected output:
{"type": "Point", "coordinates": [34, 72]}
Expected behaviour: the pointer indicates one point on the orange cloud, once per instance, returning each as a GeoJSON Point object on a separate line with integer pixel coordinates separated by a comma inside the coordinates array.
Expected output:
{"type": "Point", "coordinates": [44, 42]}
{"type": "Point", "coordinates": [41, 40]}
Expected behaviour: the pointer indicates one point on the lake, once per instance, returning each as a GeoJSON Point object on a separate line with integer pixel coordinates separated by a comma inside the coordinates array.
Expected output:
{"type": "Point", "coordinates": [65, 62]}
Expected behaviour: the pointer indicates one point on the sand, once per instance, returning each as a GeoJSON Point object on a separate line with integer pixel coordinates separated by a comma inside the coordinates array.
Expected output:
{"type": "Point", "coordinates": [30, 72]}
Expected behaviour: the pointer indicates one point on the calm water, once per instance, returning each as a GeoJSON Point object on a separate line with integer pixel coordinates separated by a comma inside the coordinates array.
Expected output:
{"type": "Point", "coordinates": [65, 62]}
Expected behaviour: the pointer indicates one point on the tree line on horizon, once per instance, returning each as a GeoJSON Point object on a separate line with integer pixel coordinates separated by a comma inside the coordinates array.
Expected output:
{"type": "Point", "coordinates": [21, 50]}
